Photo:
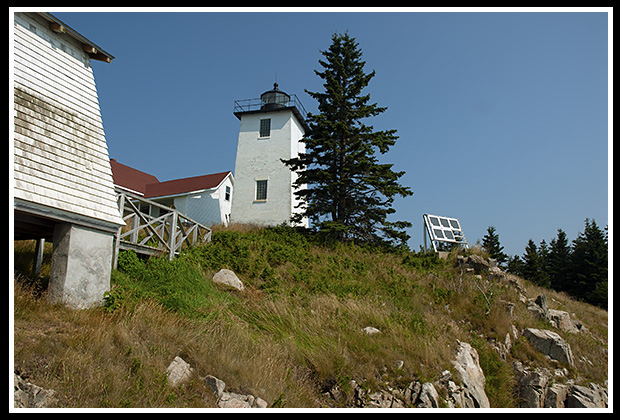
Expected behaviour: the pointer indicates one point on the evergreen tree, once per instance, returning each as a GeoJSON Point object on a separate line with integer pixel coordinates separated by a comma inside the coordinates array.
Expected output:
{"type": "Point", "coordinates": [348, 194]}
{"type": "Point", "coordinates": [559, 262]}
{"type": "Point", "coordinates": [543, 261]}
{"type": "Point", "coordinates": [532, 264]}
{"type": "Point", "coordinates": [589, 265]}
{"type": "Point", "coordinates": [515, 266]}
{"type": "Point", "coordinates": [490, 242]}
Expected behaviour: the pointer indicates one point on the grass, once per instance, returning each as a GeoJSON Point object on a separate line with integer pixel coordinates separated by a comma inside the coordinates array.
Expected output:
{"type": "Point", "coordinates": [295, 331]}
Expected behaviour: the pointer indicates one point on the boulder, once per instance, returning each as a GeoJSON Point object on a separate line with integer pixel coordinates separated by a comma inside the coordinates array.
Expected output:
{"type": "Point", "coordinates": [478, 263]}
{"type": "Point", "coordinates": [551, 344]}
{"type": "Point", "coordinates": [228, 278]}
{"type": "Point", "coordinates": [179, 372]}
{"type": "Point", "coordinates": [468, 366]}
{"type": "Point", "coordinates": [216, 385]}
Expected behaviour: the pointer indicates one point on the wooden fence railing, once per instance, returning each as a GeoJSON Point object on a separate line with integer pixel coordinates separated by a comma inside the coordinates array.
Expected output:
{"type": "Point", "coordinates": [159, 235]}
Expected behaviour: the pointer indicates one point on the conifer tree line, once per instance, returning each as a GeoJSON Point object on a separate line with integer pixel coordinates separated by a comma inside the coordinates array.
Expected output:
{"type": "Point", "coordinates": [578, 268]}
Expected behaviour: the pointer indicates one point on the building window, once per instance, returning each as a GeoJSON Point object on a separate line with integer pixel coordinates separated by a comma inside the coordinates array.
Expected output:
{"type": "Point", "coordinates": [261, 190]}
{"type": "Point", "coordinates": [265, 127]}
{"type": "Point", "coordinates": [227, 194]}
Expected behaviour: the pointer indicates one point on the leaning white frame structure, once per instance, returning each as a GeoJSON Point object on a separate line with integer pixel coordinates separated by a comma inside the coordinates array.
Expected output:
{"type": "Point", "coordinates": [443, 229]}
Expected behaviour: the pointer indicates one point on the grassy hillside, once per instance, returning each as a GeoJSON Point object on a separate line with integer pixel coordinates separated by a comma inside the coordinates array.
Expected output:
{"type": "Point", "coordinates": [293, 333]}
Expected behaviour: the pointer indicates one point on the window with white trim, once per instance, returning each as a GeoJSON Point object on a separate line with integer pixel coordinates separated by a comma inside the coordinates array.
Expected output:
{"type": "Point", "coordinates": [265, 127]}
{"type": "Point", "coordinates": [261, 190]}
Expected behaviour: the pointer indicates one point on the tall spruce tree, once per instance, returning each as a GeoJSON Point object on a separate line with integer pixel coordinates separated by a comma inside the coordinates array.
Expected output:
{"type": "Point", "coordinates": [532, 268]}
{"type": "Point", "coordinates": [490, 242]}
{"type": "Point", "coordinates": [559, 262]}
{"type": "Point", "coordinates": [348, 194]}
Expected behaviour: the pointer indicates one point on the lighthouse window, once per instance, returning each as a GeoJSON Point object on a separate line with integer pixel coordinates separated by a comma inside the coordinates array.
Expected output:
{"type": "Point", "coordinates": [265, 127]}
{"type": "Point", "coordinates": [261, 190]}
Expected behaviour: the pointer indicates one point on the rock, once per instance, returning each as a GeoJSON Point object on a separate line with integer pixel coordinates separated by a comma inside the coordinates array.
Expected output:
{"type": "Point", "coordinates": [428, 398]}
{"type": "Point", "coordinates": [541, 301]}
{"type": "Point", "coordinates": [228, 278]}
{"type": "Point", "coordinates": [478, 263]}
{"type": "Point", "coordinates": [533, 387]}
{"type": "Point", "coordinates": [559, 319]}
{"type": "Point", "coordinates": [371, 330]}
{"type": "Point", "coordinates": [232, 399]}
{"type": "Point", "coordinates": [379, 399]}
{"type": "Point", "coordinates": [468, 366]}
{"type": "Point", "coordinates": [216, 385]}
{"type": "Point", "coordinates": [27, 395]}
{"type": "Point", "coordinates": [179, 372]}
{"type": "Point", "coordinates": [412, 392]}
{"type": "Point", "coordinates": [551, 344]}
{"type": "Point", "coordinates": [259, 403]}
{"type": "Point", "coordinates": [556, 396]}
{"type": "Point", "coordinates": [536, 309]}
{"type": "Point", "coordinates": [583, 397]}
{"type": "Point", "coordinates": [562, 320]}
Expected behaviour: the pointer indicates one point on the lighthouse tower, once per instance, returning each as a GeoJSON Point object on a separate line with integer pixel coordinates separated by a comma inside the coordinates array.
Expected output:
{"type": "Point", "coordinates": [270, 129]}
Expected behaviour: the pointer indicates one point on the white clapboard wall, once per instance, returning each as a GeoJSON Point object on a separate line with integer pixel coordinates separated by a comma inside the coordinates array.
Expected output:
{"type": "Point", "coordinates": [61, 158]}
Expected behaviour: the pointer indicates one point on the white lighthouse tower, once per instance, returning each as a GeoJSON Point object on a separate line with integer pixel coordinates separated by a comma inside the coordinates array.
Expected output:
{"type": "Point", "coordinates": [270, 129]}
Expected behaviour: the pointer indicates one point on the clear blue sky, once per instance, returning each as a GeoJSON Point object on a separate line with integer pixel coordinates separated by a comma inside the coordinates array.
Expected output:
{"type": "Point", "coordinates": [502, 117]}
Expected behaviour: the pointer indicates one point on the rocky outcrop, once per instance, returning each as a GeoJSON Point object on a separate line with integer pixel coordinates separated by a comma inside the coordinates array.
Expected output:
{"type": "Point", "coordinates": [444, 392]}
{"type": "Point", "coordinates": [551, 344]}
{"type": "Point", "coordinates": [558, 319]}
{"type": "Point", "coordinates": [544, 388]}
{"type": "Point", "coordinates": [28, 395]}
{"type": "Point", "coordinates": [594, 396]}
{"type": "Point", "coordinates": [416, 394]}
{"type": "Point", "coordinates": [474, 263]}
{"type": "Point", "coordinates": [467, 366]}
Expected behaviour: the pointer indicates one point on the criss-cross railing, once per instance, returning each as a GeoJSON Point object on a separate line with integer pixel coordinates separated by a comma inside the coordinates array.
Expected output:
{"type": "Point", "coordinates": [154, 235]}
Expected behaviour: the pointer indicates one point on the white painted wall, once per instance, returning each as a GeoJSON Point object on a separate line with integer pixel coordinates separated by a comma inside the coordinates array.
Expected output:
{"type": "Point", "coordinates": [60, 153]}
{"type": "Point", "coordinates": [259, 158]}
{"type": "Point", "coordinates": [208, 207]}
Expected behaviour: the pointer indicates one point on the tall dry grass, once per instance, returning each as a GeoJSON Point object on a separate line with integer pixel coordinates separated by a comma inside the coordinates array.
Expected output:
{"type": "Point", "coordinates": [294, 332]}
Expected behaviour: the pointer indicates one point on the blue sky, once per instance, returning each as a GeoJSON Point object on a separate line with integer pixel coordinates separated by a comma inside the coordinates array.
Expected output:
{"type": "Point", "coordinates": [502, 117]}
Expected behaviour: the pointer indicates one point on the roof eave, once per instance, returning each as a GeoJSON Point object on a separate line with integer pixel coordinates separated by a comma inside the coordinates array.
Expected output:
{"type": "Point", "coordinates": [94, 51]}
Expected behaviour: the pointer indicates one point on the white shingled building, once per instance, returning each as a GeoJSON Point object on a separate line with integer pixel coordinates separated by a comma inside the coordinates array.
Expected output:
{"type": "Point", "coordinates": [62, 181]}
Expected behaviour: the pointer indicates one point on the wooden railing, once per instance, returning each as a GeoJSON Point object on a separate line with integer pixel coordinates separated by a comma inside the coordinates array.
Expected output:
{"type": "Point", "coordinates": [155, 235]}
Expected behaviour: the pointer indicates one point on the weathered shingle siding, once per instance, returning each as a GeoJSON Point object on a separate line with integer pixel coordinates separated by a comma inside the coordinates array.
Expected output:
{"type": "Point", "coordinates": [60, 152]}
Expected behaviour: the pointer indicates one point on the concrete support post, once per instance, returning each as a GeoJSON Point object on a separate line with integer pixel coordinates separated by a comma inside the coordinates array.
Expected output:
{"type": "Point", "coordinates": [81, 266]}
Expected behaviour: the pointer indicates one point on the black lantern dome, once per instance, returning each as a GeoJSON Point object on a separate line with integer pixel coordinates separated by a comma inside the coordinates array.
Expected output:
{"type": "Point", "coordinates": [275, 98]}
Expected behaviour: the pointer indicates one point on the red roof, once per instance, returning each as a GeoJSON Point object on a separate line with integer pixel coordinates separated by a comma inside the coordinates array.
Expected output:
{"type": "Point", "coordinates": [128, 177]}
{"type": "Point", "coordinates": [185, 185]}
{"type": "Point", "coordinates": [150, 186]}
